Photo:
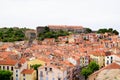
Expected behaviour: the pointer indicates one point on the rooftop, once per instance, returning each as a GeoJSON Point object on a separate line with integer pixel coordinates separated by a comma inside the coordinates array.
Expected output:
{"type": "Point", "coordinates": [27, 71]}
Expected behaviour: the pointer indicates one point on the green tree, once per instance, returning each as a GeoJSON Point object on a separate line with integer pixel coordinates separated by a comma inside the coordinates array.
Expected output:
{"type": "Point", "coordinates": [102, 30]}
{"type": "Point", "coordinates": [47, 29]}
{"type": "Point", "coordinates": [5, 75]}
{"type": "Point", "coordinates": [52, 34]}
{"type": "Point", "coordinates": [110, 30]}
{"type": "Point", "coordinates": [88, 30]}
{"type": "Point", "coordinates": [92, 66]}
{"type": "Point", "coordinates": [86, 72]}
{"type": "Point", "coordinates": [12, 34]}
{"type": "Point", "coordinates": [35, 67]}
{"type": "Point", "coordinates": [116, 32]}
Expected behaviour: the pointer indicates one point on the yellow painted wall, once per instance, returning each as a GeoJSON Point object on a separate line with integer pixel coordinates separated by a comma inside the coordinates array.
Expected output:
{"type": "Point", "coordinates": [29, 76]}
{"type": "Point", "coordinates": [35, 61]}
{"type": "Point", "coordinates": [100, 60]}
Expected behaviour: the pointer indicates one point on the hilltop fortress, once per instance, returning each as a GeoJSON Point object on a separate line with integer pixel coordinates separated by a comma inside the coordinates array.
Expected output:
{"type": "Point", "coordinates": [76, 29]}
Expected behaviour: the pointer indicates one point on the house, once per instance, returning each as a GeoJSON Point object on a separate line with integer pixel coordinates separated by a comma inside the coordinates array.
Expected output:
{"type": "Point", "coordinates": [84, 59]}
{"type": "Point", "coordinates": [61, 70]}
{"type": "Point", "coordinates": [77, 29]}
{"type": "Point", "coordinates": [48, 41]}
{"type": "Point", "coordinates": [71, 39]}
{"type": "Point", "coordinates": [98, 57]}
{"type": "Point", "coordinates": [52, 73]}
{"type": "Point", "coordinates": [30, 34]}
{"type": "Point", "coordinates": [35, 61]}
{"type": "Point", "coordinates": [116, 58]}
{"type": "Point", "coordinates": [63, 39]}
{"type": "Point", "coordinates": [109, 58]}
{"type": "Point", "coordinates": [28, 74]}
{"type": "Point", "coordinates": [8, 65]}
{"type": "Point", "coordinates": [110, 72]}
{"type": "Point", "coordinates": [14, 66]}
{"type": "Point", "coordinates": [20, 66]}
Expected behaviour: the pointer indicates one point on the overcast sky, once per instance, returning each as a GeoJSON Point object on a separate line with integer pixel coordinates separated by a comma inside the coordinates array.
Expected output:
{"type": "Point", "coordinates": [88, 13]}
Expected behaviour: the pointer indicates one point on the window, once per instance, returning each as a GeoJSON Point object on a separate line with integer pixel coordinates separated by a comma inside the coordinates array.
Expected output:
{"type": "Point", "coordinates": [45, 69]}
{"type": "Point", "coordinates": [41, 78]}
{"type": "Point", "coordinates": [53, 78]}
{"type": "Point", "coordinates": [58, 74]}
{"type": "Point", "coordinates": [50, 69]}
{"type": "Point", "coordinates": [59, 78]}
{"type": "Point", "coordinates": [16, 75]}
{"type": "Point", "coordinates": [7, 67]}
{"type": "Point", "coordinates": [46, 78]}
{"type": "Point", "coordinates": [12, 68]}
{"type": "Point", "coordinates": [23, 74]}
{"type": "Point", "coordinates": [41, 74]}
{"type": "Point", "coordinates": [12, 78]}
{"type": "Point", "coordinates": [65, 78]}
{"type": "Point", "coordinates": [107, 62]}
{"type": "Point", "coordinates": [16, 71]}
{"type": "Point", "coordinates": [111, 58]}
{"type": "Point", "coordinates": [3, 67]}
{"type": "Point", "coordinates": [47, 73]}
{"type": "Point", "coordinates": [111, 61]}
{"type": "Point", "coordinates": [0, 67]}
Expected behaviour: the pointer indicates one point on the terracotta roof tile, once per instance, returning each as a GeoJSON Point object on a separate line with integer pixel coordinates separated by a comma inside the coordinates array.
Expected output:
{"type": "Point", "coordinates": [8, 62]}
{"type": "Point", "coordinates": [23, 60]}
{"type": "Point", "coordinates": [27, 71]}
{"type": "Point", "coordinates": [113, 66]}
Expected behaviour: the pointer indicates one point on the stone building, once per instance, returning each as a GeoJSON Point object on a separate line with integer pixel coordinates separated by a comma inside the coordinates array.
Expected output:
{"type": "Point", "coordinates": [75, 29]}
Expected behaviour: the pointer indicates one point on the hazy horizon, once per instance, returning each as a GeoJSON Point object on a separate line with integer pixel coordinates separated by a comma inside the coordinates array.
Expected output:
{"type": "Point", "coordinates": [93, 14]}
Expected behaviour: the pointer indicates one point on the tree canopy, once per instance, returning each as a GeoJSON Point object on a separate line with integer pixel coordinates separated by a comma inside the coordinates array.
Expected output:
{"type": "Point", "coordinates": [52, 34]}
{"type": "Point", "coordinates": [110, 30]}
{"type": "Point", "coordinates": [12, 34]}
{"type": "Point", "coordinates": [5, 75]}
{"type": "Point", "coordinates": [88, 30]}
{"type": "Point", "coordinates": [86, 72]}
{"type": "Point", "coordinates": [35, 67]}
{"type": "Point", "coordinates": [93, 66]}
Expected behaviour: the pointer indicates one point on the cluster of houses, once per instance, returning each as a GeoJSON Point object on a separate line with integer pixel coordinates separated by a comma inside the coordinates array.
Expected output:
{"type": "Point", "coordinates": [62, 59]}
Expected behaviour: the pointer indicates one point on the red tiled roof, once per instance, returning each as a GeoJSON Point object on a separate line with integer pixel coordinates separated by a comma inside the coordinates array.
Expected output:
{"type": "Point", "coordinates": [22, 60]}
{"type": "Point", "coordinates": [100, 53]}
{"type": "Point", "coordinates": [8, 62]}
{"type": "Point", "coordinates": [64, 27]}
{"type": "Point", "coordinates": [27, 71]}
{"type": "Point", "coordinates": [113, 66]}
{"type": "Point", "coordinates": [110, 66]}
